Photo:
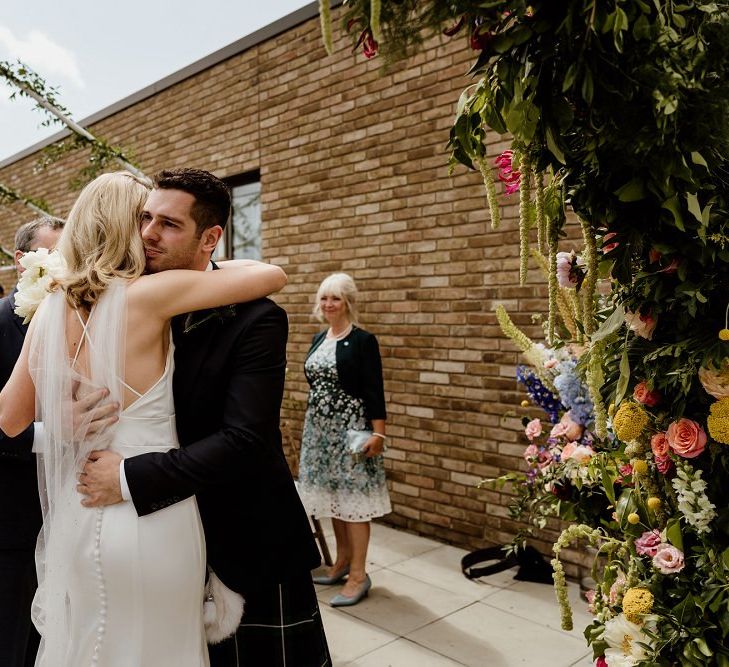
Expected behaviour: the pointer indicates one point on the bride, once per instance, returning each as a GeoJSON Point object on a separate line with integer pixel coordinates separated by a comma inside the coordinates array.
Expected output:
{"type": "Point", "coordinates": [115, 590]}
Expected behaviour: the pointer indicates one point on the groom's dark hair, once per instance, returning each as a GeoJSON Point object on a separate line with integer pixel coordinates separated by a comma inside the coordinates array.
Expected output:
{"type": "Point", "coordinates": [212, 196]}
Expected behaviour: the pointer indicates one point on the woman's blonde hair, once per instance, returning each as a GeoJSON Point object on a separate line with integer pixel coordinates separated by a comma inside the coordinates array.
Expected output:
{"type": "Point", "coordinates": [341, 285]}
{"type": "Point", "coordinates": [101, 239]}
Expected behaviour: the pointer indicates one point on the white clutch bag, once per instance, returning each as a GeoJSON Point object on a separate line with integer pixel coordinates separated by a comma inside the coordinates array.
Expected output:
{"type": "Point", "coordinates": [356, 441]}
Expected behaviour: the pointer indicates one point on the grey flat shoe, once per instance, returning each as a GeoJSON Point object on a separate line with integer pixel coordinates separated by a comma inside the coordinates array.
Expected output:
{"type": "Point", "coordinates": [344, 601]}
{"type": "Point", "coordinates": [334, 579]}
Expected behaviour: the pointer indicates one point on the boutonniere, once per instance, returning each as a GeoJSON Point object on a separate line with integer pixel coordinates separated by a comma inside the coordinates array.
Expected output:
{"type": "Point", "coordinates": [220, 314]}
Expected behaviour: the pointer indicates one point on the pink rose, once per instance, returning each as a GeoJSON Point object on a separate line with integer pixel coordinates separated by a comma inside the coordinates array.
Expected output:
{"type": "Point", "coordinates": [647, 544]}
{"type": "Point", "coordinates": [668, 559]}
{"type": "Point", "coordinates": [664, 464]}
{"type": "Point", "coordinates": [531, 453]}
{"type": "Point", "coordinates": [659, 445]}
{"type": "Point", "coordinates": [558, 430]}
{"type": "Point", "coordinates": [568, 450]}
{"type": "Point", "coordinates": [582, 454]}
{"type": "Point", "coordinates": [686, 438]}
{"type": "Point", "coordinates": [533, 429]}
{"type": "Point", "coordinates": [568, 428]}
{"type": "Point", "coordinates": [601, 662]}
{"type": "Point", "coordinates": [626, 469]}
{"type": "Point", "coordinates": [647, 397]}
{"type": "Point", "coordinates": [641, 325]}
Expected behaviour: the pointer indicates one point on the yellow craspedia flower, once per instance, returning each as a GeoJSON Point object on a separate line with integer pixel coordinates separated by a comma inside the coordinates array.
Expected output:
{"type": "Point", "coordinates": [724, 334]}
{"type": "Point", "coordinates": [525, 403]}
{"type": "Point", "coordinates": [640, 466]}
{"type": "Point", "coordinates": [630, 421]}
{"type": "Point", "coordinates": [718, 421]}
{"type": "Point", "coordinates": [633, 518]}
{"type": "Point", "coordinates": [653, 503]}
{"type": "Point", "coordinates": [637, 602]}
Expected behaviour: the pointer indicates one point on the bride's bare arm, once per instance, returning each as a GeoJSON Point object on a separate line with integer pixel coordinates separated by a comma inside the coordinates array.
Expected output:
{"type": "Point", "coordinates": [17, 399]}
{"type": "Point", "coordinates": [170, 293]}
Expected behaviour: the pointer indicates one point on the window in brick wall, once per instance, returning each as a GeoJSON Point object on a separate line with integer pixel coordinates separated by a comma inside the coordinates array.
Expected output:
{"type": "Point", "coordinates": [242, 238]}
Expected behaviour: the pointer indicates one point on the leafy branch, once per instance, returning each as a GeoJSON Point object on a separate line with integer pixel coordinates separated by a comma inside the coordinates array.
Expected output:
{"type": "Point", "coordinates": [28, 83]}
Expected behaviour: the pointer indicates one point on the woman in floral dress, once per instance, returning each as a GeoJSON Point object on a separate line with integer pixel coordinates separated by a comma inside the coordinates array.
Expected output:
{"type": "Point", "coordinates": [344, 370]}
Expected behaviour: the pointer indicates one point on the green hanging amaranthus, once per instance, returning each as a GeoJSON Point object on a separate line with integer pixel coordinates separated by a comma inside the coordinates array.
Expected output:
{"type": "Point", "coordinates": [491, 196]}
{"type": "Point", "coordinates": [375, 11]}
{"type": "Point", "coordinates": [595, 379]}
{"type": "Point", "coordinates": [596, 538]}
{"type": "Point", "coordinates": [533, 354]}
{"type": "Point", "coordinates": [325, 19]}
{"type": "Point", "coordinates": [589, 285]}
{"type": "Point", "coordinates": [541, 221]}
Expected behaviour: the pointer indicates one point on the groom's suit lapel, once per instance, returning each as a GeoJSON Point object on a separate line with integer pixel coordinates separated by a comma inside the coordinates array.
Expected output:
{"type": "Point", "coordinates": [192, 349]}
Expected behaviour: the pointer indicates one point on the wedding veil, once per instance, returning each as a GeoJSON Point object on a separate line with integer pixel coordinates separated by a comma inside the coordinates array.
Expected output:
{"type": "Point", "coordinates": [58, 382]}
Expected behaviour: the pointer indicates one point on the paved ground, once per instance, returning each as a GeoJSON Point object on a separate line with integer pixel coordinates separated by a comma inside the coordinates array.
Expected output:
{"type": "Point", "coordinates": [422, 612]}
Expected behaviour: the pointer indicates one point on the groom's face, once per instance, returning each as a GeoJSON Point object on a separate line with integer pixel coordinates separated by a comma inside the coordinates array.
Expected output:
{"type": "Point", "coordinates": [169, 232]}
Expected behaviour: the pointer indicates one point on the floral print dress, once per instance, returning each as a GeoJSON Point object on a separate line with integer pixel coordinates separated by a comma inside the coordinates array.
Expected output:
{"type": "Point", "coordinates": [331, 482]}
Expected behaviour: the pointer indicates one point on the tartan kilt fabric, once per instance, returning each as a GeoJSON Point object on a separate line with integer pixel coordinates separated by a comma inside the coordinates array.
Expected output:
{"type": "Point", "coordinates": [281, 627]}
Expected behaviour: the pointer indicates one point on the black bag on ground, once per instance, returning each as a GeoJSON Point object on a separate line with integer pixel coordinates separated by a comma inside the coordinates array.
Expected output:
{"type": "Point", "coordinates": [532, 565]}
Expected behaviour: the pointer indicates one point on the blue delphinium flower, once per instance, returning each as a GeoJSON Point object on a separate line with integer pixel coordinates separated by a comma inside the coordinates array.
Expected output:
{"type": "Point", "coordinates": [573, 392]}
{"type": "Point", "coordinates": [539, 394]}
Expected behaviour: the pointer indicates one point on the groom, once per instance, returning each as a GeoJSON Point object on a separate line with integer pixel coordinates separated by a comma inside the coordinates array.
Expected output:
{"type": "Point", "coordinates": [228, 385]}
{"type": "Point", "coordinates": [20, 511]}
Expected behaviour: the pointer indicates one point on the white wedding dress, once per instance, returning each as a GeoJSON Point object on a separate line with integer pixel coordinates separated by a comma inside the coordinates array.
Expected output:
{"type": "Point", "coordinates": [115, 590]}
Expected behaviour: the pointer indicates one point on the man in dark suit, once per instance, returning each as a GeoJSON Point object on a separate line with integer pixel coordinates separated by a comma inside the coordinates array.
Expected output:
{"type": "Point", "coordinates": [20, 513]}
{"type": "Point", "coordinates": [228, 384]}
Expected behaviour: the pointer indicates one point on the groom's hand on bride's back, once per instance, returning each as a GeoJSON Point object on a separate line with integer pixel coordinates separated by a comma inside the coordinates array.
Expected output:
{"type": "Point", "coordinates": [92, 413]}
{"type": "Point", "coordinates": [98, 483]}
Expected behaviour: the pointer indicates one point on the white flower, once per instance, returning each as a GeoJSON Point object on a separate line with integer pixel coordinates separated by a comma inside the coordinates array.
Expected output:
{"type": "Point", "coordinates": [690, 489]}
{"type": "Point", "coordinates": [41, 268]}
{"type": "Point", "coordinates": [623, 639]}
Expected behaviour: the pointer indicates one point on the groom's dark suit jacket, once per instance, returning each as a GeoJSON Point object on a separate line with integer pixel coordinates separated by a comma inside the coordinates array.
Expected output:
{"type": "Point", "coordinates": [228, 387]}
{"type": "Point", "coordinates": [20, 514]}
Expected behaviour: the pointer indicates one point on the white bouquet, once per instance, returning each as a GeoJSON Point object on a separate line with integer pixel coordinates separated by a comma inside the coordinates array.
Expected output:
{"type": "Point", "coordinates": [41, 268]}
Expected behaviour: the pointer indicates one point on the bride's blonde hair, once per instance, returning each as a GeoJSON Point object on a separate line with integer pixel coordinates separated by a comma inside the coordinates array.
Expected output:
{"type": "Point", "coordinates": [101, 239]}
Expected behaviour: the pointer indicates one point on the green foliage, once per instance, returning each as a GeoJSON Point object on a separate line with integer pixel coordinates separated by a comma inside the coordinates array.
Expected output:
{"type": "Point", "coordinates": [27, 83]}
{"type": "Point", "coordinates": [624, 105]}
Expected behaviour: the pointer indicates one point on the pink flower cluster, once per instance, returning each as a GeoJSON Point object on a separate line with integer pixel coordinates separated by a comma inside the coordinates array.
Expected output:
{"type": "Point", "coordinates": [685, 438]}
{"type": "Point", "coordinates": [667, 559]}
{"type": "Point", "coordinates": [660, 449]}
{"type": "Point", "coordinates": [507, 174]}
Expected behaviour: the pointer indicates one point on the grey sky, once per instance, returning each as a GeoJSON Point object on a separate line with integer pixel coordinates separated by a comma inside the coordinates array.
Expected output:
{"type": "Point", "coordinates": [99, 52]}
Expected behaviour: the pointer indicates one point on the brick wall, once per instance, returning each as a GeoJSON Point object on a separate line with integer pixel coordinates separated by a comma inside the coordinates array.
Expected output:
{"type": "Point", "coordinates": [354, 178]}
